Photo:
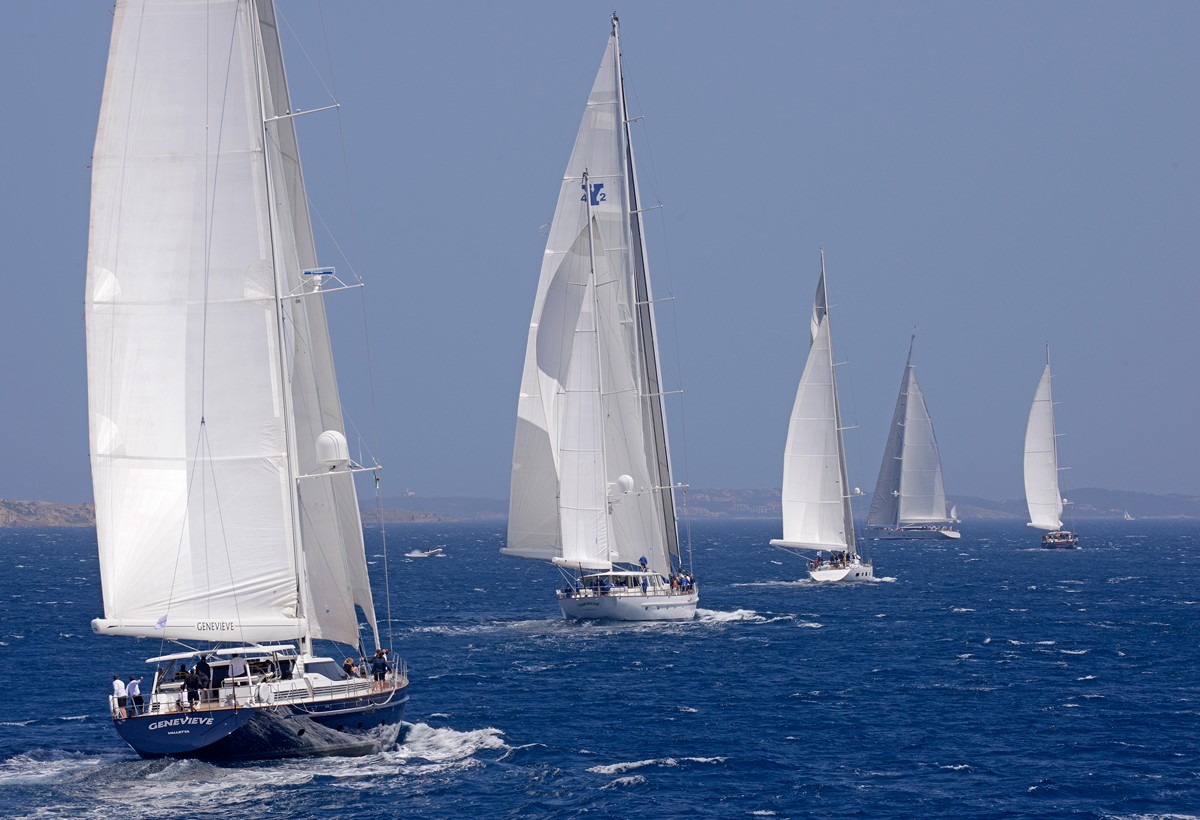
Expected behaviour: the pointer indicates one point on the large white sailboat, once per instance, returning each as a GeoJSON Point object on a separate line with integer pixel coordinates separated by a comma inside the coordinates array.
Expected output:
{"type": "Point", "coordinates": [816, 496]}
{"type": "Point", "coordinates": [591, 475]}
{"type": "Point", "coordinates": [1042, 493]}
{"type": "Point", "coordinates": [226, 512]}
{"type": "Point", "coordinates": [910, 498]}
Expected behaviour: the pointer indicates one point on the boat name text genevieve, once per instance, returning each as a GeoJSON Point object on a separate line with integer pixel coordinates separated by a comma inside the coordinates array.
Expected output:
{"type": "Point", "coordinates": [182, 721]}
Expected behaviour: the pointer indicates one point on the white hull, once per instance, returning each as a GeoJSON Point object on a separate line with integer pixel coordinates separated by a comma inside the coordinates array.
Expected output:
{"type": "Point", "coordinates": [854, 571]}
{"type": "Point", "coordinates": [637, 606]}
{"type": "Point", "coordinates": [910, 533]}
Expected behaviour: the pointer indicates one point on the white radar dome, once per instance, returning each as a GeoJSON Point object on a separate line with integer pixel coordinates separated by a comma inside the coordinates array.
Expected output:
{"type": "Point", "coordinates": [332, 449]}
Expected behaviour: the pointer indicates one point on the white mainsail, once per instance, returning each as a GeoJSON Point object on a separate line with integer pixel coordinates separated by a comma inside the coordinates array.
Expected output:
{"type": "Point", "coordinates": [816, 499]}
{"type": "Point", "coordinates": [909, 489]}
{"type": "Point", "coordinates": [591, 477]}
{"type": "Point", "coordinates": [1042, 494]}
{"type": "Point", "coordinates": [210, 372]}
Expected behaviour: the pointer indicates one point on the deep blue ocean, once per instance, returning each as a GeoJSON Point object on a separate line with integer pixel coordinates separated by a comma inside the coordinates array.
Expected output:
{"type": "Point", "coordinates": [977, 678]}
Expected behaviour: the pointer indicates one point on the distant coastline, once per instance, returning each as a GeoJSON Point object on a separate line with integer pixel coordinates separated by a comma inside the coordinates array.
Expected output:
{"type": "Point", "coordinates": [1088, 504]}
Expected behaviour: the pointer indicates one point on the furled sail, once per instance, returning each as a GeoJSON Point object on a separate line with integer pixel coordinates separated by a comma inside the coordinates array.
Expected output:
{"type": "Point", "coordinates": [1041, 460]}
{"type": "Point", "coordinates": [816, 499]}
{"type": "Point", "coordinates": [909, 489]}
{"type": "Point", "coordinates": [589, 412]}
{"type": "Point", "coordinates": [205, 401]}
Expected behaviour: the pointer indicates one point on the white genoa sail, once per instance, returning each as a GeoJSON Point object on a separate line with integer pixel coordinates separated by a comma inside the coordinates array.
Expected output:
{"type": "Point", "coordinates": [1042, 494]}
{"type": "Point", "coordinates": [909, 489]}
{"type": "Point", "coordinates": [207, 390]}
{"type": "Point", "coordinates": [591, 476]}
{"type": "Point", "coordinates": [816, 498]}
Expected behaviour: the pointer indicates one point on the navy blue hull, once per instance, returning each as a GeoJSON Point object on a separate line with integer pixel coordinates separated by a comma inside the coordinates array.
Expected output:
{"type": "Point", "coordinates": [352, 726]}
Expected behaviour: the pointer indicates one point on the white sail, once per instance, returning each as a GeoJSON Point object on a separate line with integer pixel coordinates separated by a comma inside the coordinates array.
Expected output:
{"type": "Point", "coordinates": [592, 332]}
{"type": "Point", "coordinates": [1041, 460]}
{"type": "Point", "coordinates": [909, 489]}
{"type": "Point", "coordinates": [816, 498]}
{"type": "Point", "coordinates": [206, 390]}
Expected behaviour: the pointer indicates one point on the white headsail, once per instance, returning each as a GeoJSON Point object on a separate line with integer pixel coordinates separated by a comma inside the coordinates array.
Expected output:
{"type": "Point", "coordinates": [591, 479]}
{"type": "Point", "coordinates": [816, 498]}
{"type": "Point", "coordinates": [210, 373]}
{"type": "Point", "coordinates": [909, 489]}
{"type": "Point", "coordinates": [1042, 494]}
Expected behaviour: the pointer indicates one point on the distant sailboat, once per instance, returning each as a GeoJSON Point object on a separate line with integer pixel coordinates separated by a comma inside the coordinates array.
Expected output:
{"type": "Point", "coordinates": [591, 474]}
{"type": "Point", "coordinates": [1128, 517]}
{"type": "Point", "coordinates": [1042, 493]}
{"type": "Point", "coordinates": [226, 511]}
{"type": "Point", "coordinates": [910, 499]}
{"type": "Point", "coordinates": [816, 493]}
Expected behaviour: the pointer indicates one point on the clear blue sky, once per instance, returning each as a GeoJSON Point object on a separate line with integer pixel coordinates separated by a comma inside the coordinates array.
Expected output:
{"type": "Point", "coordinates": [999, 175]}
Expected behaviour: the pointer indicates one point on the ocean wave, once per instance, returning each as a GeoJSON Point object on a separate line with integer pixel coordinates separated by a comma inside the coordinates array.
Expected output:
{"type": "Point", "coordinates": [715, 616]}
{"type": "Point", "coordinates": [621, 782]}
{"type": "Point", "coordinates": [662, 762]}
{"type": "Point", "coordinates": [443, 745]}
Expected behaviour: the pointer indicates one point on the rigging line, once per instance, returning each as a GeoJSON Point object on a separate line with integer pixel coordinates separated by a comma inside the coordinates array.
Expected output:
{"type": "Point", "coordinates": [355, 227]}
{"type": "Point", "coordinates": [357, 243]}
{"type": "Point", "coordinates": [110, 465]}
{"type": "Point", "coordinates": [387, 583]}
{"type": "Point", "coordinates": [237, 610]}
{"type": "Point", "coordinates": [200, 435]}
{"type": "Point", "coordinates": [300, 45]}
{"type": "Point", "coordinates": [311, 535]}
{"type": "Point", "coordinates": [210, 205]}
{"type": "Point", "coordinates": [211, 202]}
{"type": "Point", "coordinates": [678, 358]}
{"type": "Point", "coordinates": [332, 238]}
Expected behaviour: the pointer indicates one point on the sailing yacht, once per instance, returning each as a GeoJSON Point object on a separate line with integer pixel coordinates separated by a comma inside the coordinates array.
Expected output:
{"type": "Point", "coordinates": [591, 474]}
{"type": "Point", "coordinates": [910, 499]}
{"type": "Point", "coordinates": [226, 513]}
{"type": "Point", "coordinates": [1042, 494]}
{"type": "Point", "coordinates": [816, 493]}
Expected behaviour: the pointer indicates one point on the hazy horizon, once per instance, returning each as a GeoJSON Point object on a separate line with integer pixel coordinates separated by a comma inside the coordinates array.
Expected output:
{"type": "Point", "coordinates": [999, 177]}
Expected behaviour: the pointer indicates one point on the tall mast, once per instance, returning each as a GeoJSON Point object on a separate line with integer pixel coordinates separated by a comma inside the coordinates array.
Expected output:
{"type": "Point", "coordinates": [281, 293]}
{"type": "Point", "coordinates": [587, 198]}
{"type": "Point", "coordinates": [847, 510]}
{"type": "Point", "coordinates": [644, 309]}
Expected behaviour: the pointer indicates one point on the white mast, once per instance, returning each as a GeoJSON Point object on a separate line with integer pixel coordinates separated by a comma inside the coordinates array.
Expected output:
{"type": "Point", "coordinates": [847, 509]}
{"type": "Point", "coordinates": [281, 294]}
{"type": "Point", "coordinates": [651, 375]}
